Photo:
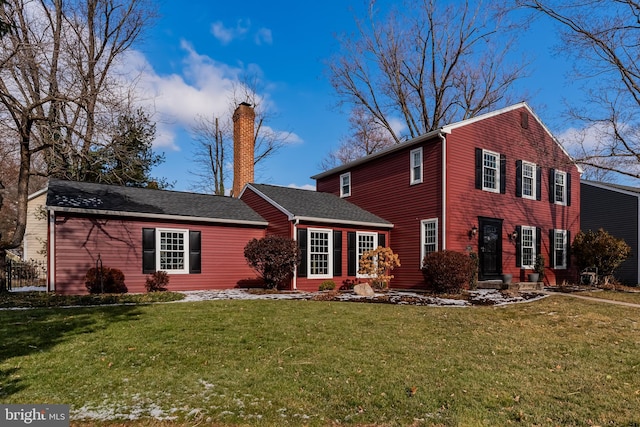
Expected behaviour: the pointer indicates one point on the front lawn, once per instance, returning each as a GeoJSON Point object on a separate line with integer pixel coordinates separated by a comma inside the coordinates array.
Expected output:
{"type": "Point", "coordinates": [557, 361]}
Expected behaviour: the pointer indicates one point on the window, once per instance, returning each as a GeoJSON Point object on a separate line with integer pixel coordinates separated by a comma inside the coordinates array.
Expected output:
{"type": "Point", "coordinates": [490, 171]}
{"type": "Point", "coordinates": [173, 250]}
{"type": "Point", "coordinates": [560, 248]}
{"type": "Point", "coordinates": [416, 166]}
{"type": "Point", "coordinates": [319, 260]}
{"type": "Point", "coordinates": [429, 233]}
{"type": "Point", "coordinates": [366, 242]}
{"type": "Point", "coordinates": [345, 184]}
{"type": "Point", "coordinates": [528, 180]}
{"type": "Point", "coordinates": [560, 187]}
{"type": "Point", "coordinates": [528, 246]}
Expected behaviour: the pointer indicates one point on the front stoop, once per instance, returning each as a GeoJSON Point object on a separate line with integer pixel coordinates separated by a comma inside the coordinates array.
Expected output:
{"type": "Point", "coordinates": [527, 286]}
{"type": "Point", "coordinates": [489, 284]}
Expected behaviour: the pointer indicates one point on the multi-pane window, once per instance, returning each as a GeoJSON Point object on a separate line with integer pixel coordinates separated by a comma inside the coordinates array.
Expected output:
{"type": "Point", "coordinates": [560, 248]}
{"type": "Point", "coordinates": [528, 246]}
{"type": "Point", "coordinates": [319, 253]}
{"type": "Point", "coordinates": [560, 187]}
{"type": "Point", "coordinates": [416, 166]}
{"type": "Point", "coordinates": [490, 171]}
{"type": "Point", "coordinates": [345, 184]}
{"type": "Point", "coordinates": [429, 231]}
{"type": "Point", "coordinates": [366, 242]}
{"type": "Point", "coordinates": [172, 253]}
{"type": "Point", "coordinates": [528, 180]}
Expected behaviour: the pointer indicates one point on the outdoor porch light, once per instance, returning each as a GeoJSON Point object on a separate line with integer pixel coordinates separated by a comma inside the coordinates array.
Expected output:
{"type": "Point", "coordinates": [514, 235]}
{"type": "Point", "coordinates": [473, 231]}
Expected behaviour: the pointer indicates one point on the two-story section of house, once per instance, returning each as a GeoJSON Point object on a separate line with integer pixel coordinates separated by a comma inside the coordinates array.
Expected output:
{"type": "Point", "coordinates": [499, 185]}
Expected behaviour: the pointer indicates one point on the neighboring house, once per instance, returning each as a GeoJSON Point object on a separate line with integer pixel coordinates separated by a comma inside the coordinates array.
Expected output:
{"type": "Point", "coordinates": [616, 209]}
{"type": "Point", "coordinates": [34, 243]}
{"type": "Point", "coordinates": [198, 239]}
{"type": "Point", "coordinates": [331, 233]}
{"type": "Point", "coordinates": [499, 185]}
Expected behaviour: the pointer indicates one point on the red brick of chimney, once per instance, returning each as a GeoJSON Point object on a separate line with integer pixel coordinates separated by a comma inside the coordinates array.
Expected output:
{"type": "Point", "coordinates": [243, 146]}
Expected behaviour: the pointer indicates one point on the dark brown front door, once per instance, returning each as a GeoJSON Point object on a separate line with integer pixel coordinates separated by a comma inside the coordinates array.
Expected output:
{"type": "Point", "coordinates": [490, 248]}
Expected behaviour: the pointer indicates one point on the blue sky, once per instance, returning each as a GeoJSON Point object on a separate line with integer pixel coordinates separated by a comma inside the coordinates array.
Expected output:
{"type": "Point", "coordinates": [196, 50]}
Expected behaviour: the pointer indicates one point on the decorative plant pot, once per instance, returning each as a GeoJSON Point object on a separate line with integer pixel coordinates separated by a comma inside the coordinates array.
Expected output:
{"type": "Point", "coordinates": [534, 277]}
{"type": "Point", "coordinates": [506, 279]}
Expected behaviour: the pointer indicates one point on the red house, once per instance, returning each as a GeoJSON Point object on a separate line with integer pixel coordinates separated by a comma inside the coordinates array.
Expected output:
{"type": "Point", "coordinates": [198, 239]}
{"type": "Point", "coordinates": [331, 233]}
{"type": "Point", "coordinates": [499, 185]}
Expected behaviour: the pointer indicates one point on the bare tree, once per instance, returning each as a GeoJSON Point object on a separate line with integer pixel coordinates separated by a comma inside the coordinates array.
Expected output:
{"type": "Point", "coordinates": [425, 65]}
{"type": "Point", "coordinates": [602, 37]}
{"type": "Point", "coordinates": [214, 138]}
{"type": "Point", "coordinates": [58, 85]}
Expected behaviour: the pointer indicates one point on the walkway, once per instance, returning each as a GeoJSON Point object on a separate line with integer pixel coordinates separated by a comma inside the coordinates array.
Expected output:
{"type": "Point", "coordinates": [594, 299]}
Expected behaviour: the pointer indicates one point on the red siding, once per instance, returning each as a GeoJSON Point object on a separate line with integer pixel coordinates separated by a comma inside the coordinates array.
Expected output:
{"type": "Point", "coordinates": [382, 187]}
{"type": "Point", "coordinates": [279, 224]}
{"type": "Point", "coordinates": [79, 240]}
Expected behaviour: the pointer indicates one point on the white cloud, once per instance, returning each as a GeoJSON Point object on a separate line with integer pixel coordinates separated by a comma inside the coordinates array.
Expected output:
{"type": "Point", "coordinates": [263, 36]}
{"type": "Point", "coordinates": [226, 35]}
{"type": "Point", "coordinates": [303, 187]}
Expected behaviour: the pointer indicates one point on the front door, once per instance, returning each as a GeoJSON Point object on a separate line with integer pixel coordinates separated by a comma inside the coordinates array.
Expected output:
{"type": "Point", "coordinates": [490, 248]}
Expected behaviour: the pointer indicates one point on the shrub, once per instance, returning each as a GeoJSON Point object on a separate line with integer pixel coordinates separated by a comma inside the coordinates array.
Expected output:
{"type": "Point", "coordinates": [112, 281]}
{"type": "Point", "coordinates": [327, 285]}
{"type": "Point", "coordinates": [601, 250]}
{"type": "Point", "coordinates": [274, 258]}
{"type": "Point", "coordinates": [377, 264]}
{"type": "Point", "coordinates": [157, 282]}
{"type": "Point", "coordinates": [448, 271]}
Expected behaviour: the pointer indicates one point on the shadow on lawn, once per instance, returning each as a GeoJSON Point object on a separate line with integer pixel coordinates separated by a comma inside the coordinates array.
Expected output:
{"type": "Point", "coordinates": [26, 332]}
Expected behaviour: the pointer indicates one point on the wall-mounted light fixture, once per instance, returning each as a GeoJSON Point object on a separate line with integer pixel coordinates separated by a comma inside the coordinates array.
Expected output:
{"type": "Point", "coordinates": [473, 231]}
{"type": "Point", "coordinates": [513, 235]}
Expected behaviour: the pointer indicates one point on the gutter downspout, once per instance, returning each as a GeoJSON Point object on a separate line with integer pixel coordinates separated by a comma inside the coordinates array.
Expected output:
{"type": "Point", "coordinates": [51, 253]}
{"type": "Point", "coordinates": [443, 222]}
{"type": "Point", "coordinates": [295, 239]}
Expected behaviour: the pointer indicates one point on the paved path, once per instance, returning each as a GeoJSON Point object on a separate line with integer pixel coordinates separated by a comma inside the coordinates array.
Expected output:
{"type": "Point", "coordinates": [608, 301]}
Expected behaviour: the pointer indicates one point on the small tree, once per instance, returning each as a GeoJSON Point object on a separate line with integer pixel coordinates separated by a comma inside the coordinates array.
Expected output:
{"type": "Point", "coordinates": [601, 250]}
{"type": "Point", "coordinates": [377, 264]}
{"type": "Point", "coordinates": [274, 258]}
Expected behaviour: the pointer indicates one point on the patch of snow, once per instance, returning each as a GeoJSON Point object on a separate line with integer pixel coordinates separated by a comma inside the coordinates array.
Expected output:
{"type": "Point", "coordinates": [29, 289]}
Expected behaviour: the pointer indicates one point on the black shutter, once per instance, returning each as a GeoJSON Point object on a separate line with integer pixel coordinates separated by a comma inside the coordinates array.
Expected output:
{"type": "Point", "coordinates": [568, 248]}
{"type": "Point", "coordinates": [503, 174]}
{"type": "Point", "coordinates": [352, 268]}
{"type": "Point", "coordinates": [518, 178]}
{"type": "Point", "coordinates": [382, 240]}
{"type": "Point", "coordinates": [337, 253]}
{"type": "Point", "coordinates": [538, 242]}
{"type": "Point", "coordinates": [519, 246]}
{"type": "Point", "coordinates": [479, 168]}
{"type": "Point", "coordinates": [195, 252]}
{"type": "Point", "coordinates": [552, 248]}
{"type": "Point", "coordinates": [538, 183]}
{"type": "Point", "coordinates": [148, 250]}
{"type": "Point", "coordinates": [552, 185]}
{"type": "Point", "coordinates": [302, 246]}
{"type": "Point", "coordinates": [568, 189]}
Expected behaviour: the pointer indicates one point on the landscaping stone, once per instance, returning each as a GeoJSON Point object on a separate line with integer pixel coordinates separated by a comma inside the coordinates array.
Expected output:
{"type": "Point", "coordinates": [364, 290]}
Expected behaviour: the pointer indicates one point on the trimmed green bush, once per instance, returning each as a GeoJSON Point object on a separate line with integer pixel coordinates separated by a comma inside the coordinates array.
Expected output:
{"type": "Point", "coordinates": [448, 271]}
{"type": "Point", "coordinates": [105, 280]}
{"type": "Point", "coordinates": [327, 285]}
{"type": "Point", "coordinates": [274, 258]}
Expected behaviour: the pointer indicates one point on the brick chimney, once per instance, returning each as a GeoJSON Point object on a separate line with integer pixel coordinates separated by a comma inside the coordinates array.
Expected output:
{"type": "Point", "coordinates": [243, 146]}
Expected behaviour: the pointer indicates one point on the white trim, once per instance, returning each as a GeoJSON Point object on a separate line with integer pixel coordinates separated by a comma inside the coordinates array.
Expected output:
{"type": "Point", "coordinates": [359, 255]}
{"type": "Point", "coordinates": [423, 224]}
{"type": "Point", "coordinates": [345, 175]}
{"type": "Point", "coordinates": [497, 169]}
{"type": "Point", "coordinates": [37, 193]}
{"type": "Point", "coordinates": [412, 166]}
{"type": "Point", "coordinates": [565, 247]}
{"type": "Point", "coordinates": [533, 246]}
{"type": "Point", "coordinates": [154, 216]}
{"type": "Point", "coordinates": [565, 189]}
{"type": "Point", "coordinates": [185, 233]}
{"type": "Point", "coordinates": [51, 253]}
{"type": "Point", "coordinates": [329, 233]}
{"type": "Point", "coordinates": [444, 192]}
{"type": "Point", "coordinates": [534, 180]}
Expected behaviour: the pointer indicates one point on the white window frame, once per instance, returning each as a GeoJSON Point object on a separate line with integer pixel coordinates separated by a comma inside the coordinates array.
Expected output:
{"type": "Point", "coordinates": [533, 178]}
{"type": "Point", "coordinates": [431, 223]}
{"type": "Point", "coordinates": [562, 174]}
{"type": "Point", "coordinates": [185, 250]}
{"type": "Point", "coordinates": [328, 254]}
{"type": "Point", "coordinates": [416, 166]}
{"type": "Point", "coordinates": [525, 229]}
{"type": "Point", "coordinates": [361, 250]}
{"type": "Point", "coordinates": [345, 177]}
{"type": "Point", "coordinates": [496, 170]}
{"type": "Point", "coordinates": [562, 234]}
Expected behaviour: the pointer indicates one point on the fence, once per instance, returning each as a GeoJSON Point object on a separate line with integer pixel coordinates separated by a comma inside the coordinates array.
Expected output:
{"type": "Point", "coordinates": [26, 273]}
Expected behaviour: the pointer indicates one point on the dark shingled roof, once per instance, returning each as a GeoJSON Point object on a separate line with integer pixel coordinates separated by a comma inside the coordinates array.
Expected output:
{"type": "Point", "coordinates": [145, 202]}
{"type": "Point", "coordinates": [316, 205]}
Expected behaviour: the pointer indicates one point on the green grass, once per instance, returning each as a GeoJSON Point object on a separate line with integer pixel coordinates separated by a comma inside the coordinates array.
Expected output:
{"type": "Point", "coordinates": [558, 361]}
{"type": "Point", "coordinates": [45, 299]}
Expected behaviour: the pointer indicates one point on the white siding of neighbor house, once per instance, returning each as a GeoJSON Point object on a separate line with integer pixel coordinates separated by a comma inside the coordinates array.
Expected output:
{"type": "Point", "coordinates": [35, 236]}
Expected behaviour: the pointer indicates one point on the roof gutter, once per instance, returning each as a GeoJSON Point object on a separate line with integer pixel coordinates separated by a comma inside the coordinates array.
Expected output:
{"type": "Point", "coordinates": [341, 221]}
{"type": "Point", "coordinates": [155, 216]}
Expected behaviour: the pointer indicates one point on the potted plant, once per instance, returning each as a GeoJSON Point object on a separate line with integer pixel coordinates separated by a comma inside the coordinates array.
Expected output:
{"type": "Point", "coordinates": [538, 269]}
